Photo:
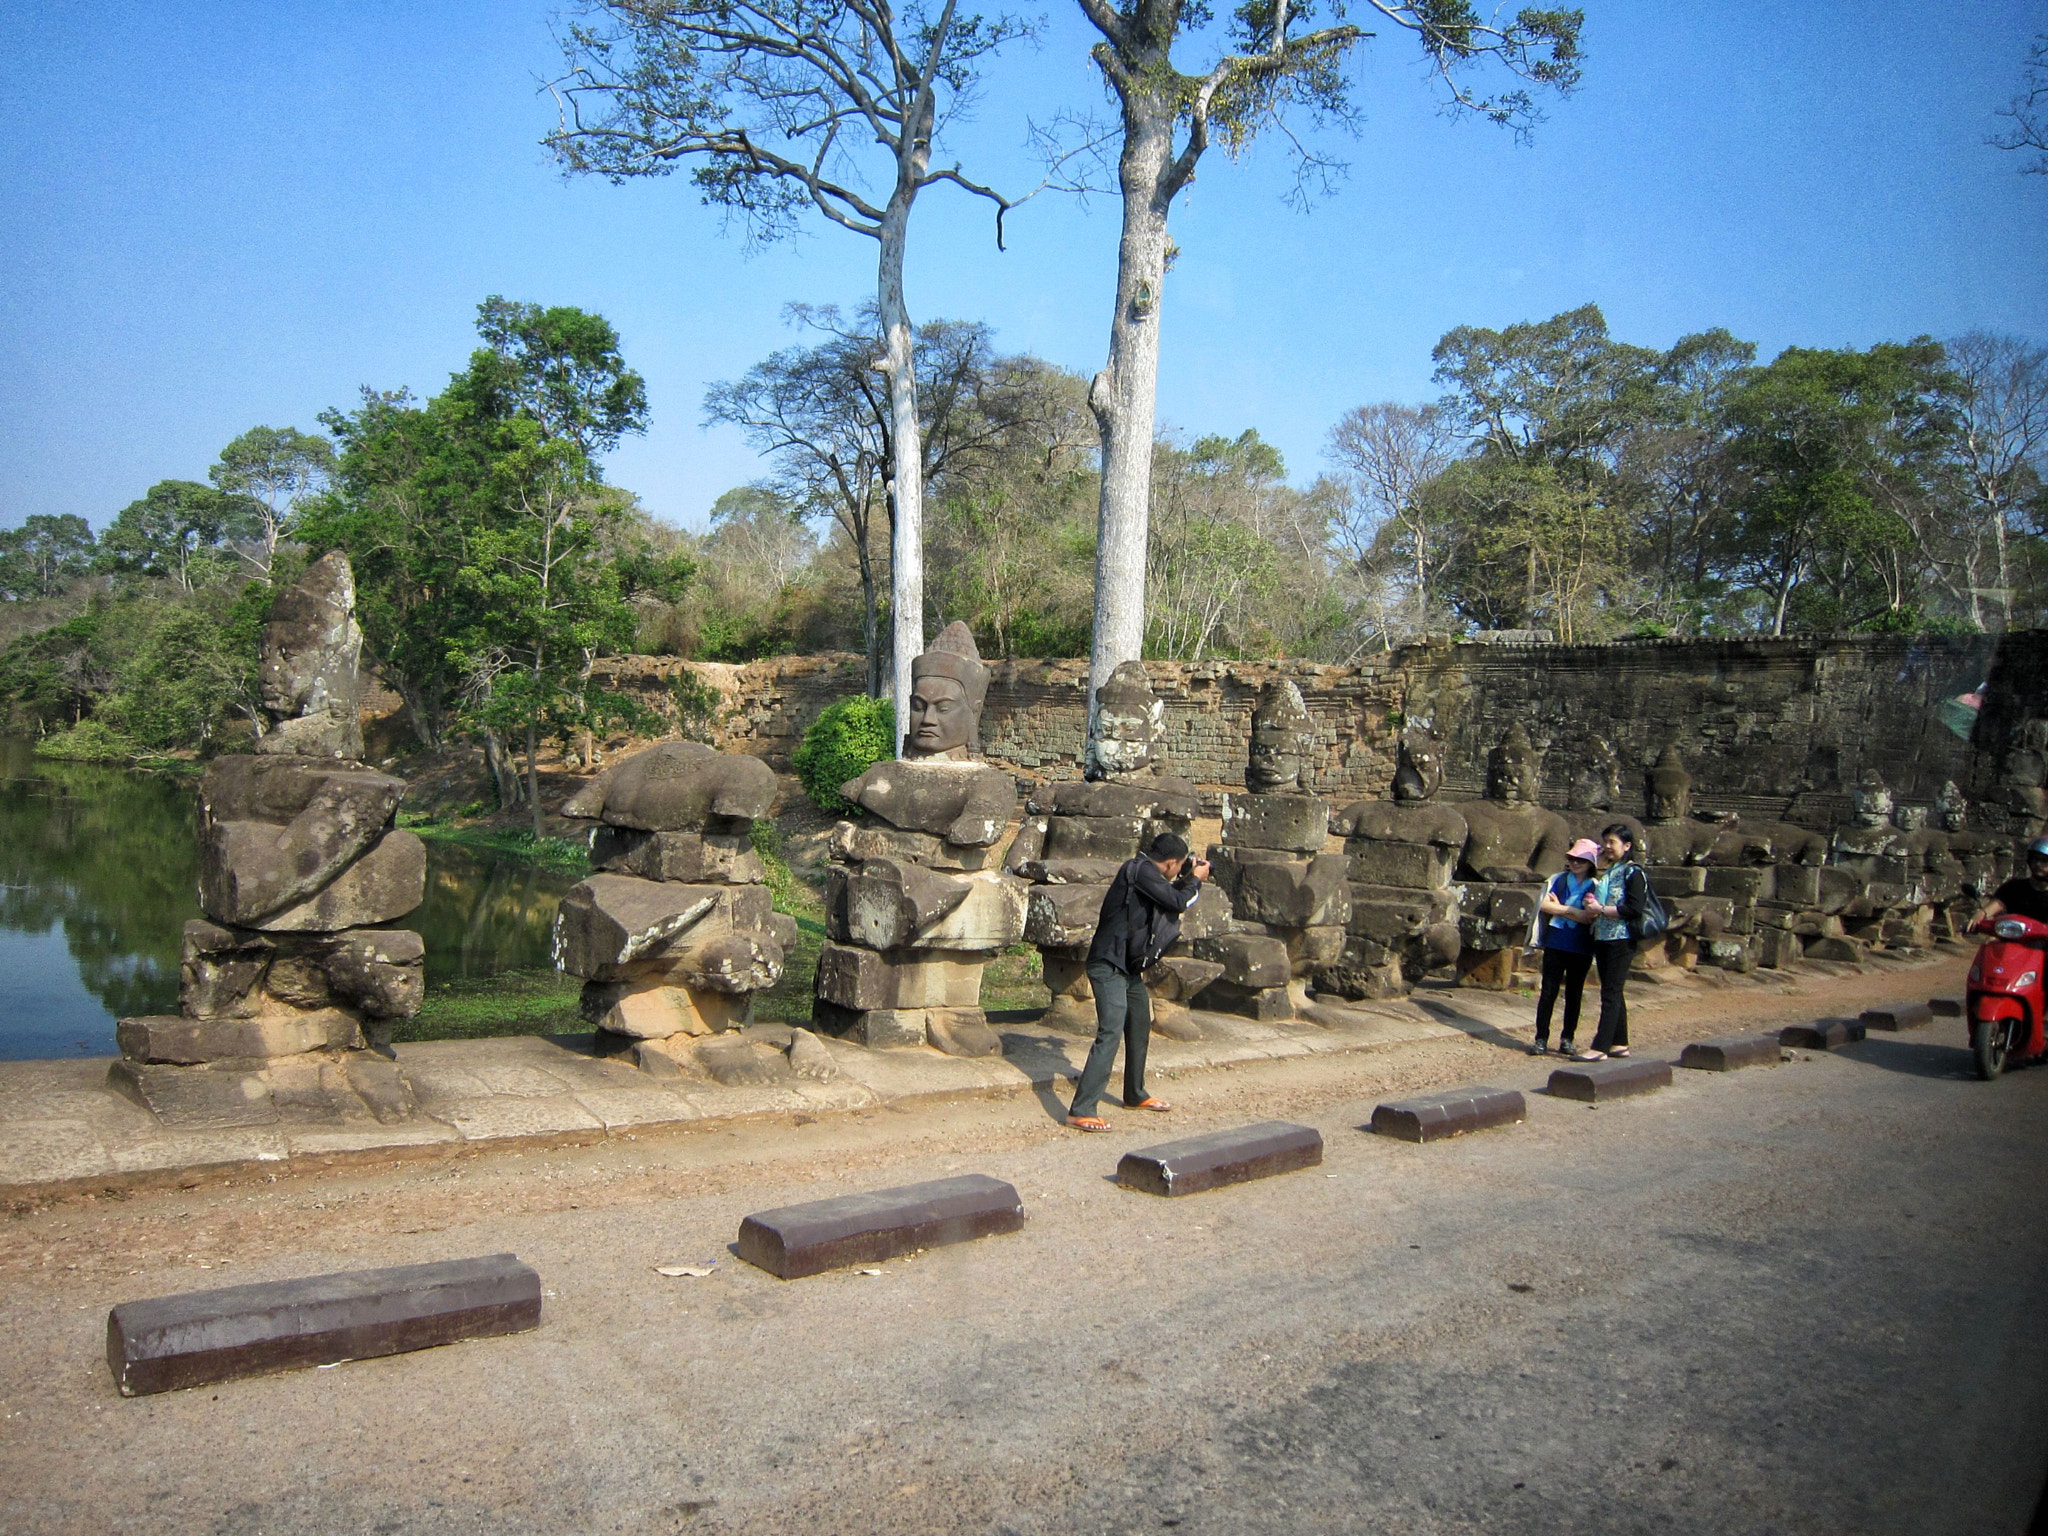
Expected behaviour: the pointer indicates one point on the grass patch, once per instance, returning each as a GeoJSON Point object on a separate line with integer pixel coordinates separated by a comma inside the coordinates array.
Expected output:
{"type": "Point", "coordinates": [789, 1000]}
{"type": "Point", "coordinates": [510, 1003]}
{"type": "Point", "coordinates": [1014, 979]}
{"type": "Point", "coordinates": [556, 852]}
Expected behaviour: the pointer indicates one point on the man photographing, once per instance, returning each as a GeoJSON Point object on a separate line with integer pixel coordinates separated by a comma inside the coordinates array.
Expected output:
{"type": "Point", "coordinates": [1139, 922]}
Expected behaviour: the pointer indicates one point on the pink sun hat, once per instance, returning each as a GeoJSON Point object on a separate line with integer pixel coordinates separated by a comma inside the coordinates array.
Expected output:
{"type": "Point", "coordinates": [1585, 848]}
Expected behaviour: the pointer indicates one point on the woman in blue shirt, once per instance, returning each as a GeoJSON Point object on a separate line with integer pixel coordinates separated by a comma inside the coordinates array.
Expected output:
{"type": "Point", "coordinates": [1567, 944]}
{"type": "Point", "coordinates": [1616, 906]}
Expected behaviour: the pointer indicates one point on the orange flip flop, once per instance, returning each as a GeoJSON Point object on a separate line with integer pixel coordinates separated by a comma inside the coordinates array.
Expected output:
{"type": "Point", "coordinates": [1157, 1106]}
{"type": "Point", "coordinates": [1087, 1123]}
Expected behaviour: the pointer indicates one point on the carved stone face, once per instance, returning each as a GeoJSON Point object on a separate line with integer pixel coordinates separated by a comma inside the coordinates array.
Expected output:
{"type": "Point", "coordinates": [1910, 818]}
{"type": "Point", "coordinates": [1280, 742]}
{"type": "Point", "coordinates": [1955, 810]}
{"type": "Point", "coordinates": [1514, 775]}
{"type": "Point", "coordinates": [1129, 720]}
{"type": "Point", "coordinates": [1419, 768]}
{"type": "Point", "coordinates": [940, 719]}
{"type": "Point", "coordinates": [1873, 802]}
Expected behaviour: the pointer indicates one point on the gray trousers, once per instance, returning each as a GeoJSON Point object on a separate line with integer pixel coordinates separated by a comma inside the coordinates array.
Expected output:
{"type": "Point", "coordinates": [1123, 1015]}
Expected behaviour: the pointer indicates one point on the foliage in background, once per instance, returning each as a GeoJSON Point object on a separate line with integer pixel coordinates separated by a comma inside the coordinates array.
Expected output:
{"type": "Point", "coordinates": [846, 739]}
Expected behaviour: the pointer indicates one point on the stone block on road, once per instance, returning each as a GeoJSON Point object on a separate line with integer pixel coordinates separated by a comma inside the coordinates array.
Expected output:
{"type": "Point", "coordinates": [1221, 1157]}
{"type": "Point", "coordinates": [169, 1342]}
{"type": "Point", "coordinates": [1731, 1052]}
{"type": "Point", "coordinates": [1595, 1082]}
{"type": "Point", "coordinates": [797, 1240]}
{"type": "Point", "coordinates": [1945, 1007]}
{"type": "Point", "coordinates": [1821, 1034]}
{"type": "Point", "coordinates": [1897, 1016]}
{"type": "Point", "coordinates": [1431, 1117]}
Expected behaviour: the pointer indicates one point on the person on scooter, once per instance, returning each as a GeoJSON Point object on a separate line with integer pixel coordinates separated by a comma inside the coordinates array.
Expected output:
{"type": "Point", "coordinates": [2022, 897]}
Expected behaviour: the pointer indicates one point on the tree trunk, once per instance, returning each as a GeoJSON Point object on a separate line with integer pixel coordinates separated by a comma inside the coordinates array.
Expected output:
{"type": "Point", "coordinates": [1124, 396]}
{"type": "Point", "coordinates": [533, 775]}
{"type": "Point", "coordinates": [870, 621]}
{"type": "Point", "coordinates": [906, 534]}
{"type": "Point", "coordinates": [504, 777]}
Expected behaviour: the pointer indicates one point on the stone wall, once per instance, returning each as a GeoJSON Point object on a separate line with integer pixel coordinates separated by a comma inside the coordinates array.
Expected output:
{"type": "Point", "coordinates": [1772, 728]}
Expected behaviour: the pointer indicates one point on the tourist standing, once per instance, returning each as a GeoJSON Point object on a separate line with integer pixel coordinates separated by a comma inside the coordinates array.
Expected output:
{"type": "Point", "coordinates": [1139, 922]}
{"type": "Point", "coordinates": [1566, 938]}
{"type": "Point", "coordinates": [1617, 901]}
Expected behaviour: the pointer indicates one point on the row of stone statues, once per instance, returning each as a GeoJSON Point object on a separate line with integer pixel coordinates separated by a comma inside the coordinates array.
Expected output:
{"type": "Point", "coordinates": [291, 978]}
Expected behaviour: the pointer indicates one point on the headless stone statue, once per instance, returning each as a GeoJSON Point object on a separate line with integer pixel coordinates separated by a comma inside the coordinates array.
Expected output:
{"type": "Point", "coordinates": [290, 975]}
{"type": "Point", "coordinates": [674, 933]}
{"type": "Point", "coordinates": [911, 913]}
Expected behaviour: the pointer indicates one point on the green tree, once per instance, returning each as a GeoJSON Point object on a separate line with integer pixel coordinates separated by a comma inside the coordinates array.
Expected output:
{"type": "Point", "coordinates": [178, 530]}
{"type": "Point", "coordinates": [44, 555]}
{"type": "Point", "coordinates": [272, 469]}
{"type": "Point", "coordinates": [1836, 446]}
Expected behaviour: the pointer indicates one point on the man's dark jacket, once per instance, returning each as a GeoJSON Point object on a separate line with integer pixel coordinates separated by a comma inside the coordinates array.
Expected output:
{"type": "Point", "coordinates": [1141, 916]}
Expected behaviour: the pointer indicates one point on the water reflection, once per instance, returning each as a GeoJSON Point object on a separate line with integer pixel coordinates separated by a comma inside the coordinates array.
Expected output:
{"type": "Point", "coordinates": [98, 876]}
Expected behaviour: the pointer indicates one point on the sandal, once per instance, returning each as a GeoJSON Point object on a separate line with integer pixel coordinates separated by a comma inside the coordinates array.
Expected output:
{"type": "Point", "coordinates": [1087, 1123]}
{"type": "Point", "coordinates": [1157, 1106]}
{"type": "Point", "coordinates": [1618, 1051]}
{"type": "Point", "coordinates": [1589, 1055]}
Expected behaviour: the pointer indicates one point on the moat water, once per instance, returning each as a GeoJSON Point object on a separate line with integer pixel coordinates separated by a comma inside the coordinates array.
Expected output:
{"type": "Point", "coordinates": [99, 874]}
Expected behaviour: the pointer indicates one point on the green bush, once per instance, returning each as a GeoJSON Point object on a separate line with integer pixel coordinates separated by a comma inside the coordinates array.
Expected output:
{"type": "Point", "coordinates": [89, 741]}
{"type": "Point", "coordinates": [841, 744]}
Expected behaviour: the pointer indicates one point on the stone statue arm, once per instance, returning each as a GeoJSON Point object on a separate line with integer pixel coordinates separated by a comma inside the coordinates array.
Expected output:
{"type": "Point", "coordinates": [341, 820]}
{"type": "Point", "coordinates": [1027, 845]}
{"type": "Point", "coordinates": [991, 802]}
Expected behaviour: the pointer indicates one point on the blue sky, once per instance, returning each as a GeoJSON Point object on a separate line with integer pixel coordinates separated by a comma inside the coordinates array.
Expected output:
{"type": "Point", "coordinates": [215, 215]}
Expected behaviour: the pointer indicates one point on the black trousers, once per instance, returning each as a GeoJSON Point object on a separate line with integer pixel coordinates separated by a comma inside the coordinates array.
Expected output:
{"type": "Point", "coordinates": [1563, 970]}
{"type": "Point", "coordinates": [1613, 957]}
{"type": "Point", "coordinates": [1123, 1016]}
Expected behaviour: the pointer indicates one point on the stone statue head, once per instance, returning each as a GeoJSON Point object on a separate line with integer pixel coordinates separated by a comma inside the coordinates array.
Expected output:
{"type": "Point", "coordinates": [1910, 818]}
{"type": "Point", "coordinates": [1953, 809]}
{"type": "Point", "coordinates": [312, 648]}
{"type": "Point", "coordinates": [947, 686]}
{"type": "Point", "coordinates": [308, 671]}
{"type": "Point", "coordinates": [1667, 793]}
{"type": "Point", "coordinates": [1872, 800]}
{"type": "Point", "coordinates": [1282, 741]}
{"type": "Point", "coordinates": [1514, 773]}
{"type": "Point", "coordinates": [1129, 720]}
{"type": "Point", "coordinates": [1597, 784]}
{"type": "Point", "coordinates": [1418, 766]}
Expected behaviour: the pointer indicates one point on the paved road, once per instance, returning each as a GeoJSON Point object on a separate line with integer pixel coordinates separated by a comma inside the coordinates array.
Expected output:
{"type": "Point", "coordinates": [1797, 1299]}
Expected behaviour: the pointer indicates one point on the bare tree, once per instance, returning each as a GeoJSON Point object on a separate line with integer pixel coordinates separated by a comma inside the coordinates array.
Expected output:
{"type": "Point", "coordinates": [1168, 121]}
{"type": "Point", "coordinates": [825, 415]}
{"type": "Point", "coordinates": [2028, 111]}
{"type": "Point", "coordinates": [1388, 452]}
{"type": "Point", "coordinates": [2001, 439]}
{"type": "Point", "coordinates": [276, 469]}
{"type": "Point", "coordinates": [790, 105]}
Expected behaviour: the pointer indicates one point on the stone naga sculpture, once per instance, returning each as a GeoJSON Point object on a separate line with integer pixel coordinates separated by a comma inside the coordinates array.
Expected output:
{"type": "Point", "coordinates": [1076, 835]}
{"type": "Point", "coordinates": [1403, 853]}
{"type": "Point", "coordinates": [289, 976]}
{"type": "Point", "coordinates": [912, 913]}
{"type": "Point", "coordinates": [1288, 899]}
{"type": "Point", "coordinates": [675, 933]}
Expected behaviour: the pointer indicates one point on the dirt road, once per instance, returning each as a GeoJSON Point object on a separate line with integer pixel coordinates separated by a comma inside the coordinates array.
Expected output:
{"type": "Point", "coordinates": [1802, 1298]}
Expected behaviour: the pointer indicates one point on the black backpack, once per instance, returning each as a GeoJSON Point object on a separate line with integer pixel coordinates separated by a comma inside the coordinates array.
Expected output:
{"type": "Point", "coordinates": [1652, 920]}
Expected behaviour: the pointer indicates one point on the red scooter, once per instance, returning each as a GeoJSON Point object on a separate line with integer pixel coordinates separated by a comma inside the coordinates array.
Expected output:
{"type": "Point", "coordinates": [2007, 995]}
